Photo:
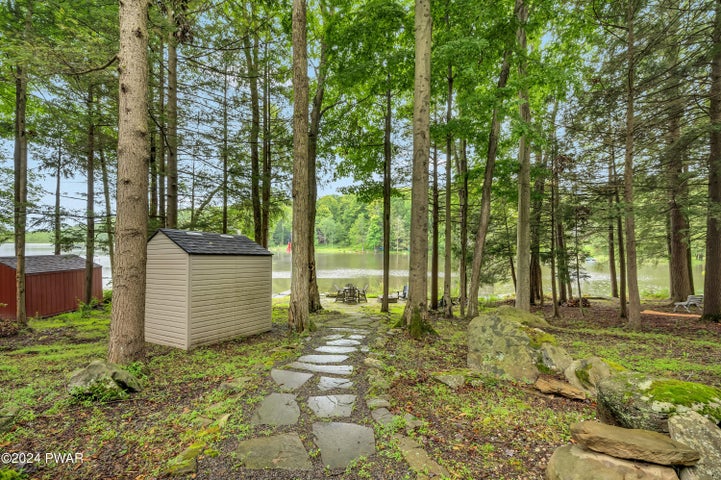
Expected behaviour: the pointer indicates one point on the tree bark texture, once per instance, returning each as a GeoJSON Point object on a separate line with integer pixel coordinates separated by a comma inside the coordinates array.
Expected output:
{"type": "Point", "coordinates": [266, 174]}
{"type": "Point", "coordinates": [171, 204]}
{"type": "Point", "coordinates": [447, 302]}
{"type": "Point", "coordinates": [434, 232]}
{"type": "Point", "coordinates": [387, 151]}
{"type": "Point", "coordinates": [251, 59]}
{"type": "Point", "coordinates": [634, 297]}
{"type": "Point", "coordinates": [21, 189]}
{"type": "Point", "coordinates": [539, 187]}
{"type": "Point", "coordinates": [109, 231]}
{"type": "Point", "coordinates": [57, 223]}
{"type": "Point", "coordinates": [712, 279]}
{"type": "Point", "coordinates": [127, 343]}
{"type": "Point", "coordinates": [224, 151]}
{"type": "Point", "coordinates": [462, 169]}
{"type": "Point", "coordinates": [523, 246]}
{"type": "Point", "coordinates": [679, 238]}
{"type": "Point", "coordinates": [163, 139]}
{"type": "Point", "coordinates": [485, 213]}
{"type": "Point", "coordinates": [90, 206]}
{"type": "Point", "coordinates": [416, 309]}
{"type": "Point", "coordinates": [314, 304]}
{"type": "Point", "coordinates": [298, 314]}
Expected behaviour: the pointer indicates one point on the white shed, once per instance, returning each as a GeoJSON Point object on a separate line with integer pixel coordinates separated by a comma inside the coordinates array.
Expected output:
{"type": "Point", "coordinates": [205, 287]}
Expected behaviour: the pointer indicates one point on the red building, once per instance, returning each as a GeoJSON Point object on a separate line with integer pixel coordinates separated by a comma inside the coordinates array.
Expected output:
{"type": "Point", "coordinates": [53, 284]}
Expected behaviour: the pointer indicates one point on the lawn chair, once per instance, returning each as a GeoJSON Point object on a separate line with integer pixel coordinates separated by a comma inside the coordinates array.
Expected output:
{"type": "Point", "coordinates": [340, 295]}
{"type": "Point", "coordinates": [691, 301]}
{"type": "Point", "coordinates": [404, 294]}
{"type": "Point", "coordinates": [362, 294]}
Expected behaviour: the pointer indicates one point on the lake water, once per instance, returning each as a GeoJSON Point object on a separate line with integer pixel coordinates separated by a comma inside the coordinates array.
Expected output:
{"type": "Point", "coordinates": [367, 269]}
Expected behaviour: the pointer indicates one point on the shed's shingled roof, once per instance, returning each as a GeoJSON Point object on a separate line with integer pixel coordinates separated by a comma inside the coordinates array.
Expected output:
{"type": "Point", "coordinates": [203, 243]}
{"type": "Point", "coordinates": [47, 263]}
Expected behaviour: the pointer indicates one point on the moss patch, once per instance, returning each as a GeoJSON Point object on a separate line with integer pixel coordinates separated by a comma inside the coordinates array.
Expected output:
{"type": "Point", "coordinates": [616, 367]}
{"type": "Point", "coordinates": [539, 337]}
{"type": "Point", "coordinates": [687, 394]}
{"type": "Point", "coordinates": [583, 375]}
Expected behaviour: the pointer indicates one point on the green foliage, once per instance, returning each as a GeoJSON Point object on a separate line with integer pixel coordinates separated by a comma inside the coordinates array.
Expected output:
{"type": "Point", "coordinates": [7, 474]}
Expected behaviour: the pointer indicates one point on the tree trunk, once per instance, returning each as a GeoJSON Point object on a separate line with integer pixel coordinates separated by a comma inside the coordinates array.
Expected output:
{"type": "Point", "coordinates": [108, 210]}
{"type": "Point", "coordinates": [712, 280]}
{"type": "Point", "coordinates": [172, 114]}
{"type": "Point", "coordinates": [523, 248]}
{"type": "Point", "coordinates": [611, 241]}
{"type": "Point", "coordinates": [415, 313]}
{"type": "Point", "coordinates": [462, 168]}
{"type": "Point", "coordinates": [298, 315]}
{"type": "Point", "coordinates": [634, 306]}
{"type": "Point", "coordinates": [434, 233]}
{"type": "Point", "coordinates": [163, 140]}
{"type": "Point", "coordinates": [485, 214]}
{"type": "Point", "coordinates": [447, 302]}
{"type": "Point", "coordinates": [57, 220]}
{"type": "Point", "coordinates": [21, 187]}
{"type": "Point", "coordinates": [554, 209]}
{"type": "Point", "coordinates": [387, 198]}
{"type": "Point", "coordinates": [266, 174]}
{"type": "Point", "coordinates": [561, 254]}
{"type": "Point", "coordinates": [622, 290]}
{"type": "Point", "coordinates": [154, 140]}
{"type": "Point", "coordinates": [679, 238]}
{"type": "Point", "coordinates": [251, 58]}
{"type": "Point", "coordinates": [127, 323]}
{"type": "Point", "coordinates": [539, 187]}
{"type": "Point", "coordinates": [314, 304]}
{"type": "Point", "coordinates": [90, 207]}
{"type": "Point", "coordinates": [224, 151]}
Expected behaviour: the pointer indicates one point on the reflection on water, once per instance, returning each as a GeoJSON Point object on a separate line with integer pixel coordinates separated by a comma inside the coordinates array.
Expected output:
{"type": "Point", "coordinates": [364, 269]}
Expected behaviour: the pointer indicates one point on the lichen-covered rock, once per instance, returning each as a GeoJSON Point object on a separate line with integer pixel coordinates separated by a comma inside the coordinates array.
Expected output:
{"type": "Point", "coordinates": [554, 358]}
{"type": "Point", "coordinates": [499, 344]}
{"type": "Point", "coordinates": [103, 381]}
{"type": "Point", "coordinates": [635, 400]}
{"type": "Point", "coordinates": [574, 463]}
{"type": "Point", "coordinates": [703, 435]}
{"type": "Point", "coordinates": [587, 373]}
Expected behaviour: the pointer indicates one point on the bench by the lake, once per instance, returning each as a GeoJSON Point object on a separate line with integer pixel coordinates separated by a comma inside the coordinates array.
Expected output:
{"type": "Point", "coordinates": [691, 301]}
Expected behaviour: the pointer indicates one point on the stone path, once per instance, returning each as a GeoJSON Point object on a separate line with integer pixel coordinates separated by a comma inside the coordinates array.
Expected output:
{"type": "Point", "coordinates": [322, 407]}
{"type": "Point", "coordinates": [328, 369]}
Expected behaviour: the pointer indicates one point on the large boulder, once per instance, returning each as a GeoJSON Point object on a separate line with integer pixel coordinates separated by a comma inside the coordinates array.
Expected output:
{"type": "Point", "coordinates": [587, 373]}
{"type": "Point", "coordinates": [505, 341]}
{"type": "Point", "coordinates": [632, 444]}
{"type": "Point", "coordinates": [102, 380]}
{"type": "Point", "coordinates": [575, 463]}
{"type": "Point", "coordinates": [635, 400]}
{"type": "Point", "coordinates": [702, 434]}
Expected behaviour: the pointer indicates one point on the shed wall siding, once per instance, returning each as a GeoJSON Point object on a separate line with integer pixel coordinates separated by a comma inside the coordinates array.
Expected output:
{"type": "Point", "coordinates": [7, 292]}
{"type": "Point", "coordinates": [230, 297]}
{"type": "Point", "coordinates": [47, 293]}
{"type": "Point", "coordinates": [166, 294]}
{"type": "Point", "coordinates": [51, 293]}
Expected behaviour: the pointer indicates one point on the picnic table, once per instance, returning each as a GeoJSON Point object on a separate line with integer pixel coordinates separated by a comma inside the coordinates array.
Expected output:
{"type": "Point", "coordinates": [351, 294]}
